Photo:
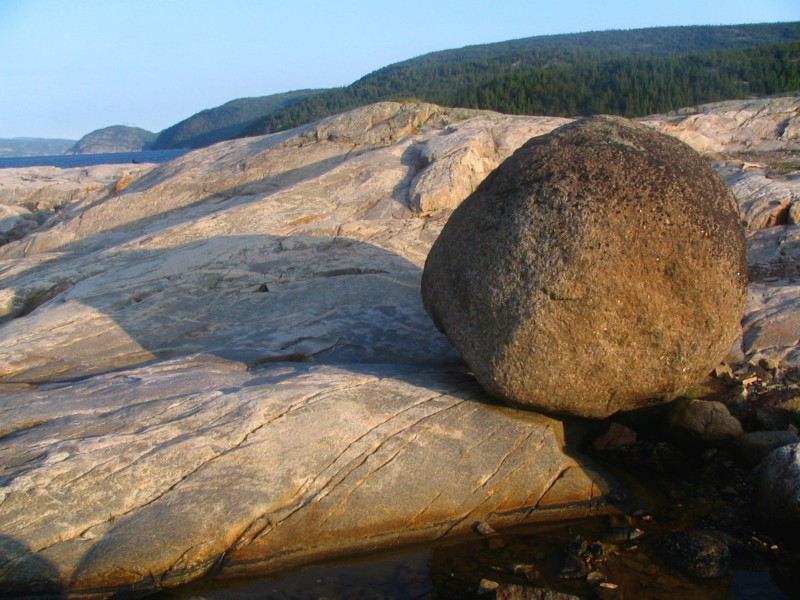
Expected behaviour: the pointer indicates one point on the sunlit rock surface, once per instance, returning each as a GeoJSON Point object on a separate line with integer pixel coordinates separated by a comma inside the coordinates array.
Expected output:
{"type": "Point", "coordinates": [224, 361]}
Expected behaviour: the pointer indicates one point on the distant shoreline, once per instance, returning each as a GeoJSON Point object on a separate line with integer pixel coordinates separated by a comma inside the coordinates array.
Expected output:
{"type": "Point", "coordinates": [68, 161]}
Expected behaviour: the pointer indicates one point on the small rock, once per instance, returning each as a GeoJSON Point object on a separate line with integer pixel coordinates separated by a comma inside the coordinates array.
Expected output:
{"type": "Point", "coordinates": [616, 436]}
{"type": "Point", "coordinates": [706, 420]}
{"type": "Point", "coordinates": [487, 586]}
{"type": "Point", "coordinates": [696, 554]}
{"type": "Point", "coordinates": [753, 447]}
{"type": "Point", "coordinates": [595, 578]}
{"type": "Point", "coordinates": [623, 535]}
{"type": "Point", "coordinates": [529, 572]}
{"type": "Point", "coordinates": [483, 528]}
{"type": "Point", "coordinates": [608, 591]}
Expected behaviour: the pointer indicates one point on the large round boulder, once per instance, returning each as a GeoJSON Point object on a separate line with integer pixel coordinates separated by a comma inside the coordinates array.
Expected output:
{"type": "Point", "coordinates": [600, 268]}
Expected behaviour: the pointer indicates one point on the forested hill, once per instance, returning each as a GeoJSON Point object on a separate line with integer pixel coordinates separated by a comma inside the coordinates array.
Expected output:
{"type": "Point", "coordinates": [225, 122]}
{"type": "Point", "coordinates": [631, 73]}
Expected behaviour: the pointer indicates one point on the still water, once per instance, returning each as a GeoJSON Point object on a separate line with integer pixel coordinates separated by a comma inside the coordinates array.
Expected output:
{"type": "Point", "coordinates": [65, 161]}
{"type": "Point", "coordinates": [532, 557]}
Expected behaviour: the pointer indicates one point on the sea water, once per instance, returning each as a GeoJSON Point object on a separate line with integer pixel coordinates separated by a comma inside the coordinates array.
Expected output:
{"type": "Point", "coordinates": [68, 161]}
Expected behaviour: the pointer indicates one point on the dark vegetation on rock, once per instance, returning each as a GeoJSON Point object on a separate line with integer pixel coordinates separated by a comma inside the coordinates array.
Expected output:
{"type": "Point", "coordinates": [600, 268]}
{"type": "Point", "coordinates": [630, 73]}
{"type": "Point", "coordinates": [117, 138]}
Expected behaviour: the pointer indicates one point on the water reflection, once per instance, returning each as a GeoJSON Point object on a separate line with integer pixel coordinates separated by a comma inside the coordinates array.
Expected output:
{"type": "Point", "coordinates": [622, 551]}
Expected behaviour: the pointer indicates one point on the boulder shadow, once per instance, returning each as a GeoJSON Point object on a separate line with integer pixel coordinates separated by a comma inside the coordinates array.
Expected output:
{"type": "Point", "coordinates": [256, 300]}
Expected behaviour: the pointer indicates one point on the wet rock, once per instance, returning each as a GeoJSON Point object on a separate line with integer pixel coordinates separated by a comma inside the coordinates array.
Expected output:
{"type": "Point", "coordinates": [778, 502]}
{"type": "Point", "coordinates": [568, 280]}
{"type": "Point", "coordinates": [705, 420]}
{"type": "Point", "coordinates": [696, 554]}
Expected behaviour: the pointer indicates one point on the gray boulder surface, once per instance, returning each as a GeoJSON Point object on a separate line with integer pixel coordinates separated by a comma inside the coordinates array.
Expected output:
{"type": "Point", "coordinates": [224, 362]}
{"type": "Point", "coordinates": [600, 268]}
{"type": "Point", "coordinates": [778, 503]}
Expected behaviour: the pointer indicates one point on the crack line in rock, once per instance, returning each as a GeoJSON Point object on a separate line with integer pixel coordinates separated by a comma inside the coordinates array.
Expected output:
{"type": "Point", "coordinates": [550, 486]}
{"type": "Point", "coordinates": [363, 457]}
{"type": "Point", "coordinates": [300, 501]}
{"type": "Point", "coordinates": [356, 485]}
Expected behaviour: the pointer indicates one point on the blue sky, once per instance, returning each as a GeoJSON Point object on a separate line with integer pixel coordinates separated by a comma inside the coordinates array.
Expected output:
{"type": "Point", "coordinates": [71, 66]}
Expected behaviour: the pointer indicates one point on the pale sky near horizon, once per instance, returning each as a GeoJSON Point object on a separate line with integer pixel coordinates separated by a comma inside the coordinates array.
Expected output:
{"type": "Point", "coordinates": [69, 67]}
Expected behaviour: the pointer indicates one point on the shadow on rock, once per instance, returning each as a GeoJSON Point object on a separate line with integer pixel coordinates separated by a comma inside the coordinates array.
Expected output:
{"type": "Point", "coordinates": [26, 574]}
{"type": "Point", "coordinates": [251, 299]}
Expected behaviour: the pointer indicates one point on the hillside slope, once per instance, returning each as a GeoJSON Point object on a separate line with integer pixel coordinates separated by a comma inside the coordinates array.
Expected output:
{"type": "Point", "coordinates": [632, 73]}
{"type": "Point", "coordinates": [14, 147]}
{"type": "Point", "coordinates": [226, 121]}
{"type": "Point", "coordinates": [117, 138]}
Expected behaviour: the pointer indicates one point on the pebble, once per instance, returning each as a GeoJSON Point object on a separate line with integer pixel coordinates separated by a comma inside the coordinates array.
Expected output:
{"type": "Point", "coordinates": [608, 591]}
{"type": "Point", "coordinates": [595, 578]}
{"type": "Point", "coordinates": [487, 586]}
{"type": "Point", "coordinates": [619, 536]}
{"type": "Point", "coordinates": [529, 572]}
{"type": "Point", "coordinates": [483, 528]}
